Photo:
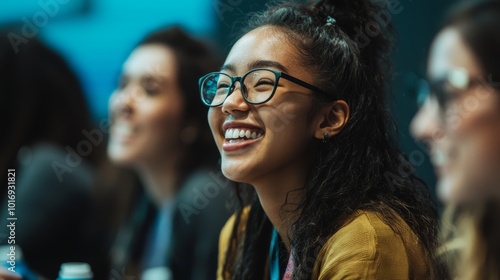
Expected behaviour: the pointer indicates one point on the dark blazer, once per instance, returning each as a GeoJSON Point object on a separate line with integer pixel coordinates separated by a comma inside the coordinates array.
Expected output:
{"type": "Point", "coordinates": [200, 213]}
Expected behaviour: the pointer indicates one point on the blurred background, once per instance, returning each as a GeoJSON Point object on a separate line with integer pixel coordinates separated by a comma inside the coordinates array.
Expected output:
{"type": "Point", "coordinates": [95, 36]}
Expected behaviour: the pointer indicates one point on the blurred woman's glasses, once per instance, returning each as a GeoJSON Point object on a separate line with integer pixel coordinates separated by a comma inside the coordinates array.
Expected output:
{"type": "Point", "coordinates": [446, 88]}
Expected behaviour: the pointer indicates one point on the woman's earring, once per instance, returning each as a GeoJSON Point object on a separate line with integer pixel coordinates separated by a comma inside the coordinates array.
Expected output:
{"type": "Point", "coordinates": [325, 137]}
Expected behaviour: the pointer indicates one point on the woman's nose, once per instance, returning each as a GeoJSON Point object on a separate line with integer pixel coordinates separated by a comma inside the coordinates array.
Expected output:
{"type": "Point", "coordinates": [426, 125]}
{"type": "Point", "coordinates": [235, 102]}
{"type": "Point", "coordinates": [122, 101]}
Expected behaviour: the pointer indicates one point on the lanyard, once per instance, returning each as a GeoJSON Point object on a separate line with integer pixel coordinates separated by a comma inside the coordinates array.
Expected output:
{"type": "Point", "coordinates": [274, 256]}
{"type": "Point", "coordinates": [274, 260]}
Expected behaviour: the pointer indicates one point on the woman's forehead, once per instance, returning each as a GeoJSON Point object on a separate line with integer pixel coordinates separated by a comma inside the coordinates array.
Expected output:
{"type": "Point", "coordinates": [448, 52]}
{"type": "Point", "coordinates": [266, 43]}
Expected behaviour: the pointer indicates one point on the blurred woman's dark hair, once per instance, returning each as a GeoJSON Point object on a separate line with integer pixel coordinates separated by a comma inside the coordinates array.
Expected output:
{"type": "Point", "coordinates": [41, 101]}
{"type": "Point", "coordinates": [478, 23]}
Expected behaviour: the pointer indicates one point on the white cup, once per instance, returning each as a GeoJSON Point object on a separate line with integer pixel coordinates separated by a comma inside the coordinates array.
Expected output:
{"type": "Point", "coordinates": [75, 271]}
{"type": "Point", "coordinates": [157, 273]}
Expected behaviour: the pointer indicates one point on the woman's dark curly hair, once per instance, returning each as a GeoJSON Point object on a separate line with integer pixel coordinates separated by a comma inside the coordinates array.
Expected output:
{"type": "Point", "coordinates": [359, 169]}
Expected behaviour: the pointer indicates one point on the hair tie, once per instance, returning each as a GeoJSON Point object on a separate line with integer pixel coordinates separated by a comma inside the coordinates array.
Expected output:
{"type": "Point", "coordinates": [330, 21]}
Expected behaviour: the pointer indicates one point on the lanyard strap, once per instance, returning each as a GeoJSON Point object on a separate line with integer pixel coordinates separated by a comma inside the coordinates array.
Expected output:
{"type": "Point", "coordinates": [274, 256]}
{"type": "Point", "coordinates": [274, 260]}
{"type": "Point", "coordinates": [289, 268]}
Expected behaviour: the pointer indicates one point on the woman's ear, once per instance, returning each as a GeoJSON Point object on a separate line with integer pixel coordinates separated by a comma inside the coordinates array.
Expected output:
{"type": "Point", "coordinates": [332, 119]}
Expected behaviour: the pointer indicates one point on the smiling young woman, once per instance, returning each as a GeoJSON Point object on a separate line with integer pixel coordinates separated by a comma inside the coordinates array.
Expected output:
{"type": "Point", "coordinates": [298, 113]}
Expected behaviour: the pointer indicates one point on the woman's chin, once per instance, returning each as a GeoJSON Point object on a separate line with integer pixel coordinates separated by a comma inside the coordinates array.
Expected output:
{"type": "Point", "coordinates": [233, 174]}
{"type": "Point", "coordinates": [120, 157]}
{"type": "Point", "coordinates": [453, 191]}
{"type": "Point", "coordinates": [446, 190]}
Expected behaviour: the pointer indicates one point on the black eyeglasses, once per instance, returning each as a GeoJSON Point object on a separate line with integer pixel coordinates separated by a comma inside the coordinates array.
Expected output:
{"type": "Point", "coordinates": [257, 86]}
{"type": "Point", "coordinates": [445, 88]}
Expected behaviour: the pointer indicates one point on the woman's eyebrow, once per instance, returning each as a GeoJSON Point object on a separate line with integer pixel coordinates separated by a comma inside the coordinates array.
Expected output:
{"type": "Point", "coordinates": [267, 64]}
{"type": "Point", "coordinates": [256, 64]}
{"type": "Point", "coordinates": [228, 68]}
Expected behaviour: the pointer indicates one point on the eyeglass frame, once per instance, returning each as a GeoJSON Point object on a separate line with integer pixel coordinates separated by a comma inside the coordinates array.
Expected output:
{"type": "Point", "coordinates": [434, 88]}
{"type": "Point", "coordinates": [278, 75]}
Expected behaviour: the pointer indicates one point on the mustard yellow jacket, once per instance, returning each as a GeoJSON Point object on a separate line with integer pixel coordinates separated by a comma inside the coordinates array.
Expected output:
{"type": "Point", "coordinates": [364, 248]}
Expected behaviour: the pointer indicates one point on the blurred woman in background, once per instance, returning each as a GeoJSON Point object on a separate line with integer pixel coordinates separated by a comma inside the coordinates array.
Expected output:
{"type": "Point", "coordinates": [460, 122]}
{"type": "Point", "coordinates": [159, 130]}
{"type": "Point", "coordinates": [45, 138]}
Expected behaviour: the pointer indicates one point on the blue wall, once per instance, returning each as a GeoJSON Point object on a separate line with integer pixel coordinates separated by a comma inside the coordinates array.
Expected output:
{"type": "Point", "coordinates": [96, 36]}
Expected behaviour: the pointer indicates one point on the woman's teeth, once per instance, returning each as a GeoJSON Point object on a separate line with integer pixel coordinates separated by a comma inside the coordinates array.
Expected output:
{"type": "Point", "coordinates": [242, 134]}
{"type": "Point", "coordinates": [122, 129]}
{"type": "Point", "coordinates": [438, 158]}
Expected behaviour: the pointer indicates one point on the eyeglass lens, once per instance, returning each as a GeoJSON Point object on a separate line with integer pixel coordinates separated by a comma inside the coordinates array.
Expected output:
{"type": "Point", "coordinates": [257, 86]}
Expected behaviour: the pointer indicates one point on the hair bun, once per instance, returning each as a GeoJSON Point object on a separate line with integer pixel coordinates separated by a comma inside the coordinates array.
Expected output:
{"type": "Point", "coordinates": [366, 22]}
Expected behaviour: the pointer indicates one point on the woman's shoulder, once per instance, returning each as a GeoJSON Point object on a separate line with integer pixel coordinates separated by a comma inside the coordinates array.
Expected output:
{"type": "Point", "coordinates": [228, 227]}
{"type": "Point", "coordinates": [225, 237]}
{"type": "Point", "coordinates": [368, 247]}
